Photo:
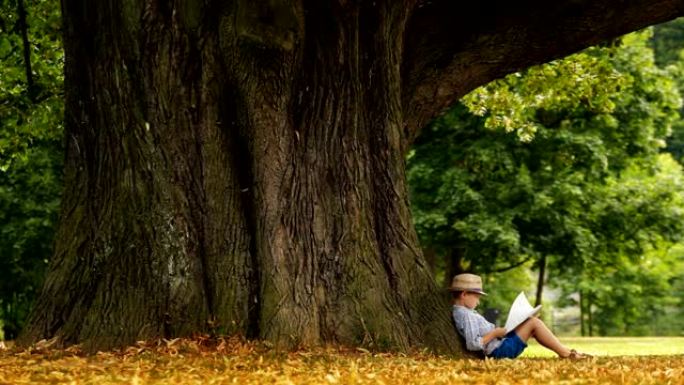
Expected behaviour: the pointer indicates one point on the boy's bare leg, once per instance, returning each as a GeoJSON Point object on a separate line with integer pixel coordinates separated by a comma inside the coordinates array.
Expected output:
{"type": "Point", "coordinates": [536, 328]}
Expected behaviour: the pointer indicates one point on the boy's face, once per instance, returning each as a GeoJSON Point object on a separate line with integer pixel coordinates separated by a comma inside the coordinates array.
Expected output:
{"type": "Point", "coordinates": [470, 299]}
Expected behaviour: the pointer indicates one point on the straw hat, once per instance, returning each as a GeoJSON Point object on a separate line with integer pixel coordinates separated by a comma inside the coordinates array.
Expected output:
{"type": "Point", "coordinates": [467, 282]}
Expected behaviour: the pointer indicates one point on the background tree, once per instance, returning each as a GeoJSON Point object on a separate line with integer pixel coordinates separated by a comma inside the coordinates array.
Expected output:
{"type": "Point", "coordinates": [640, 274]}
{"type": "Point", "coordinates": [239, 166]}
{"type": "Point", "coordinates": [31, 109]}
{"type": "Point", "coordinates": [668, 44]}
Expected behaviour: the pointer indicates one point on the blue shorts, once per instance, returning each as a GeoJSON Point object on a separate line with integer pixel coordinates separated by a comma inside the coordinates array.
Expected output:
{"type": "Point", "coordinates": [511, 346]}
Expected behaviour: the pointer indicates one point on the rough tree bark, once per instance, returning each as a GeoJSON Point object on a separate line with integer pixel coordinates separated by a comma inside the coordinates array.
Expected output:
{"type": "Point", "coordinates": [238, 166]}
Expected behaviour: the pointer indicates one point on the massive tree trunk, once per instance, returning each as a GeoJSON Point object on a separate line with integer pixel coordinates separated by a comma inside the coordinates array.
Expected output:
{"type": "Point", "coordinates": [238, 167]}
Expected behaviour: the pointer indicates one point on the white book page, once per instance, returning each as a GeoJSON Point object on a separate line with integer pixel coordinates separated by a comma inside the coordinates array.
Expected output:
{"type": "Point", "coordinates": [520, 311]}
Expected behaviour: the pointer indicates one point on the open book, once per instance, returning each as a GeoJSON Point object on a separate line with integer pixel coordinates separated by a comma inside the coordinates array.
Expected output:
{"type": "Point", "coordinates": [520, 311]}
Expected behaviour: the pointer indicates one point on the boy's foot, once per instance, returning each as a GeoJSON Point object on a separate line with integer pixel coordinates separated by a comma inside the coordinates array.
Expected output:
{"type": "Point", "coordinates": [575, 355]}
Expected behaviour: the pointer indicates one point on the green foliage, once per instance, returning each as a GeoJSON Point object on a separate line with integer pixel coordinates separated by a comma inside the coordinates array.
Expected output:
{"type": "Point", "coordinates": [505, 198]}
{"type": "Point", "coordinates": [516, 102]}
{"type": "Point", "coordinates": [30, 153]}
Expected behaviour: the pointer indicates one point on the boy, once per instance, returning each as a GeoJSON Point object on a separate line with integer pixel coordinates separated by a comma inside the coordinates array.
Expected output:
{"type": "Point", "coordinates": [480, 334]}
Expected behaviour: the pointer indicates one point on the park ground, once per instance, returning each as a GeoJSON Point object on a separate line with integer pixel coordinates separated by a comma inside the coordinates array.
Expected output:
{"type": "Point", "coordinates": [219, 361]}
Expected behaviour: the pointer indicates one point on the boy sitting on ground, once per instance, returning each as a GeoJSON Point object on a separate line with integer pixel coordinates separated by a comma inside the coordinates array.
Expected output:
{"type": "Point", "coordinates": [482, 335]}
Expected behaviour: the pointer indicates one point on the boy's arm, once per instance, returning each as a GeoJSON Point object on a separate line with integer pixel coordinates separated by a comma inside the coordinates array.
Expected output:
{"type": "Point", "coordinates": [469, 329]}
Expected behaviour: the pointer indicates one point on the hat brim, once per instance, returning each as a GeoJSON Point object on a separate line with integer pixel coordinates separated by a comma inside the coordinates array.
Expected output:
{"type": "Point", "coordinates": [468, 290]}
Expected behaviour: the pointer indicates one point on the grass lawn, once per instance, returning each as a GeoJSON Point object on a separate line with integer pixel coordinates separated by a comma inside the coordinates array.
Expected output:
{"type": "Point", "coordinates": [614, 346]}
{"type": "Point", "coordinates": [232, 361]}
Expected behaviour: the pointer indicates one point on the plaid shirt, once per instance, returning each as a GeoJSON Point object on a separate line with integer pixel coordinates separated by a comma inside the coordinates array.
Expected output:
{"type": "Point", "coordinates": [472, 327]}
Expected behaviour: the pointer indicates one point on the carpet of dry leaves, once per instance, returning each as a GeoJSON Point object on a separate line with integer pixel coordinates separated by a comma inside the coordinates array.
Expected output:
{"type": "Point", "coordinates": [231, 361]}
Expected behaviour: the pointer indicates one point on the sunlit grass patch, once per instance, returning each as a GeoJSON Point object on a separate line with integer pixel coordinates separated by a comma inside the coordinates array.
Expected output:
{"type": "Point", "coordinates": [232, 361]}
{"type": "Point", "coordinates": [614, 346]}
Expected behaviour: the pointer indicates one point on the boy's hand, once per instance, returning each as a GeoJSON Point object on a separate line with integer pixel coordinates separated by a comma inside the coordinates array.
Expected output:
{"type": "Point", "coordinates": [495, 333]}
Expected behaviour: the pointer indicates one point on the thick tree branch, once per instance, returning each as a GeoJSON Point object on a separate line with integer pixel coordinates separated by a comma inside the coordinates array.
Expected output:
{"type": "Point", "coordinates": [509, 267]}
{"type": "Point", "coordinates": [451, 47]}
